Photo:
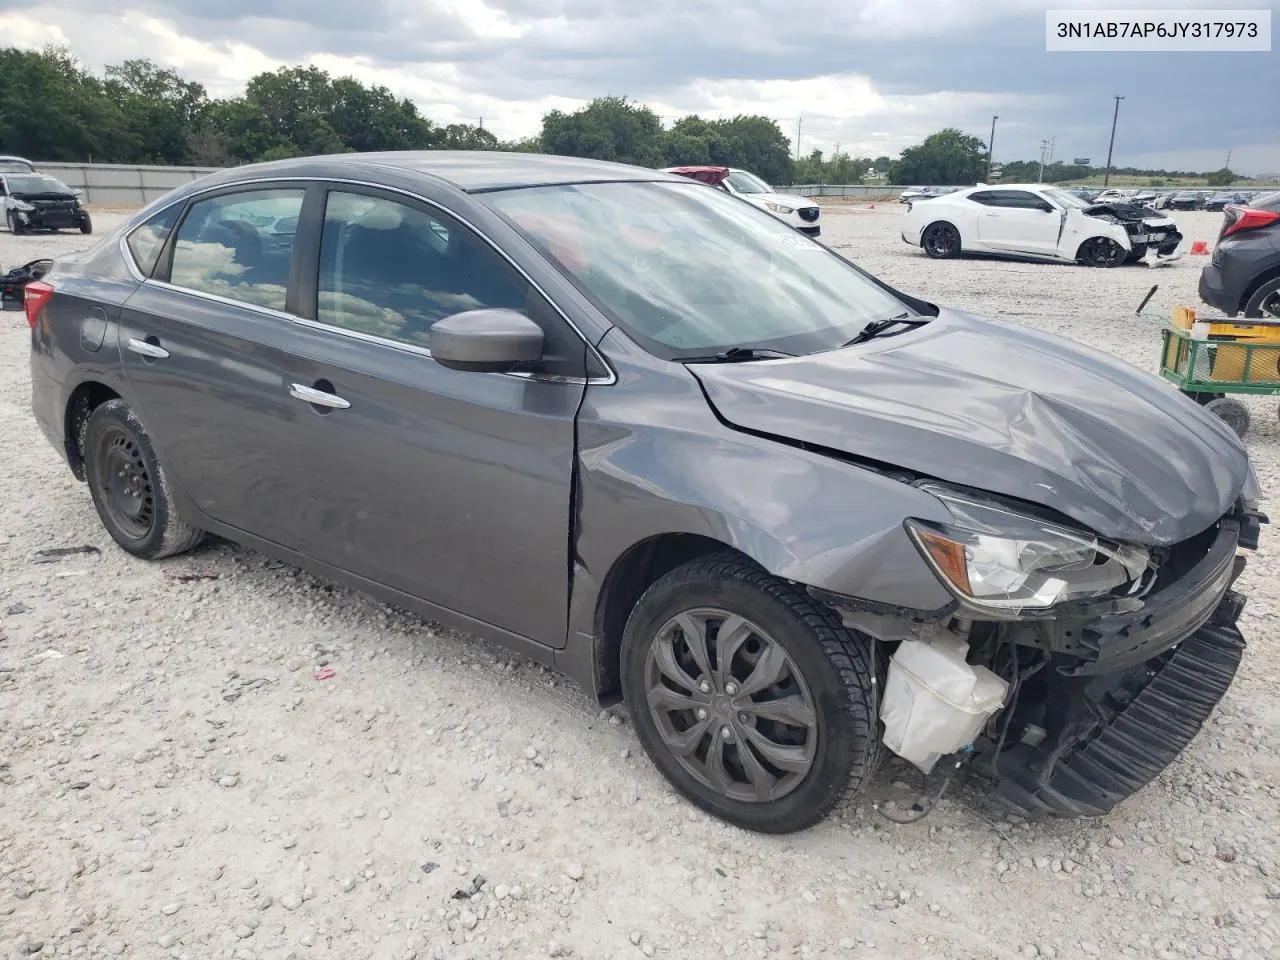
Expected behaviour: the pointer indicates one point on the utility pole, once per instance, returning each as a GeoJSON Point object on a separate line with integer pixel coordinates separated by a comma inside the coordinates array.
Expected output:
{"type": "Point", "coordinates": [1227, 165]}
{"type": "Point", "coordinates": [1107, 179]}
{"type": "Point", "coordinates": [991, 145]}
{"type": "Point", "coordinates": [1044, 148]}
{"type": "Point", "coordinates": [799, 120]}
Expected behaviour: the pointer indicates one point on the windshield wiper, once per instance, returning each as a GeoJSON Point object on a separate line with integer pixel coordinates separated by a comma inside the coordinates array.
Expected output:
{"type": "Point", "coordinates": [877, 327]}
{"type": "Point", "coordinates": [736, 355]}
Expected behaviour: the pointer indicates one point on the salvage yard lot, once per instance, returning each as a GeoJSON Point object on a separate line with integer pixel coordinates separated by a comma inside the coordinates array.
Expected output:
{"type": "Point", "coordinates": [175, 781]}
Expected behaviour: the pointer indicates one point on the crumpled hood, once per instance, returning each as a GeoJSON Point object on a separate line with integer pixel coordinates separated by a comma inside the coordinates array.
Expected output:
{"type": "Point", "coordinates": [1003, 408]}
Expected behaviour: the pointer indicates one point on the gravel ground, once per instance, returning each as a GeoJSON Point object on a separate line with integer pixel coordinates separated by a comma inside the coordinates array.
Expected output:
{"type": "Point", "coordinates": [174, 781]}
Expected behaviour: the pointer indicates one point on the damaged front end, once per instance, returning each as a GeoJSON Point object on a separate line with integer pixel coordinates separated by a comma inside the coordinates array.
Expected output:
{"type": "Point", "coordinates": [1070, 669]}
{"type": "Point", "coordinates": [1147, 231]}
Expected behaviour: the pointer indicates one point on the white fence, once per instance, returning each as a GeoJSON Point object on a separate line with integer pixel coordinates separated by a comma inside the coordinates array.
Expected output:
{"type": "Point", "coordinates": [122, 185]}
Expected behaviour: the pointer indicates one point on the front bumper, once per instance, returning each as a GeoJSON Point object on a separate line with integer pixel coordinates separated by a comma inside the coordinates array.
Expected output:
{"type": "Point", "coordinates": [1147, 722]}
{"type": "Point", "coordinates": [811, 231]}
{"type": "Point", "coordinates": [55, 219]}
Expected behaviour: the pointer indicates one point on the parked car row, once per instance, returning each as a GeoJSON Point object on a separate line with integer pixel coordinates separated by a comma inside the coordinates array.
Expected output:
{"type": "Point", "coordinates": [32, 201]}
{"type": "Point", "coordinates": [661, 439]}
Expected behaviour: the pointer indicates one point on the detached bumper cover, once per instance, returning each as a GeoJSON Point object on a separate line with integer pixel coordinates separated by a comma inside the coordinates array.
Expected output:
{"type": "Point", "coordinates": [1140, 740]}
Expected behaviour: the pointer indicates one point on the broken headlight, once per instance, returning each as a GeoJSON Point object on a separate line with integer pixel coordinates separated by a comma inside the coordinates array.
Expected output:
{"type": "Point", "coordinates": [1001, 561]}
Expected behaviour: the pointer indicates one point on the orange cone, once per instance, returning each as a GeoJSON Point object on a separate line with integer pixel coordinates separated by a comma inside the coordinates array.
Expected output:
{"type": "Point", "coordinates": [1199, 249]}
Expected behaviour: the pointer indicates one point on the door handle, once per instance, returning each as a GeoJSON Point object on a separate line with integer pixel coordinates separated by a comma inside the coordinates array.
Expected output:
{"type": "Point", "coordinates": [317, 397]}
{"type": "Point", "coordinates": [148, 349]}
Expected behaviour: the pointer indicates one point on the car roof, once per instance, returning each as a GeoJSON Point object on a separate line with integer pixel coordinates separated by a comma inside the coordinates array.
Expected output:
{"type": "Point", "coordinates": [469, 170]}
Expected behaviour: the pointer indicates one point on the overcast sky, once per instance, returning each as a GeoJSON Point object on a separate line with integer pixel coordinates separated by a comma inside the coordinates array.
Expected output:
{"type": "Point", "coordinates": [872, 75]}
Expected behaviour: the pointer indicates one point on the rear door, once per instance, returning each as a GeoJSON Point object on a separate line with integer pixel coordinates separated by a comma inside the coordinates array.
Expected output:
{"type": "Point", "coordinates": [451, 486]}
{"type": "Point", "coordinates": [206, 344]}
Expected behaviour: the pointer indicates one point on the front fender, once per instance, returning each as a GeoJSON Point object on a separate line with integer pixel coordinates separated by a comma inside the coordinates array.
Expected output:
{"type": "Point", "coordinates": [654, 459]}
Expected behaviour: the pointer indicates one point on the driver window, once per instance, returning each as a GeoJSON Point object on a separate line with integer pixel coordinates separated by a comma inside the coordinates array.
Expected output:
{"type": "Point", "coordinates": [391, 270]}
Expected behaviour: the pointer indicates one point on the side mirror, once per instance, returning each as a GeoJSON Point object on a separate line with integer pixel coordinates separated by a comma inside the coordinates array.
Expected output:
{"type": "Point", "coordinates": [486, 341]}
{"type": "Point", "coordinates": [1046, 207]}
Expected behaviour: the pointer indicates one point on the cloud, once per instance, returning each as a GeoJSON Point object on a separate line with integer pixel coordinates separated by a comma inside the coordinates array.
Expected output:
{"type": "Point", "coordinates": [872, 75]}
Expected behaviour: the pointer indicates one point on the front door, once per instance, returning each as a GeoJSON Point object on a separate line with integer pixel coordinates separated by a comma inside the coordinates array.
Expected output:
{"type": "Point", "coordinates": [1017, 222]}
{"type": "Point", "coordinates": [452, 486]}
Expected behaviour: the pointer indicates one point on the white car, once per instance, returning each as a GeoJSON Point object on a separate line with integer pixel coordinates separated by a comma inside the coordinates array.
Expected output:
{"type": "Point", "coordinates": [800, 212]}
{"type": "Point", "coordinates": [1038, 222]}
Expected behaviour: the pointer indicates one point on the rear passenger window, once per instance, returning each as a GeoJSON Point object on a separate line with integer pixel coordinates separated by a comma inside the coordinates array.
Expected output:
{"type": "Point", "coordinates": [147, 239]}
{"type": "Point", "coordinates": [239, 246]}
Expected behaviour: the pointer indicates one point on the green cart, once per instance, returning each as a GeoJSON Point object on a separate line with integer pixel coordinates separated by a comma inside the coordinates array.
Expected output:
{"type": "Point", "coordinates": [1209, 369]}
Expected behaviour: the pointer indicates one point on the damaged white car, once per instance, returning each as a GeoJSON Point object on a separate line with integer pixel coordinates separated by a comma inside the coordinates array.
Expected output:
{"type": "Point", "coordinates": [1038, 222]}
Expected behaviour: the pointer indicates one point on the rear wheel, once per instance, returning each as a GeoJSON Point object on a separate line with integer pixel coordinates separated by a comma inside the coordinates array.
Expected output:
{"type": "Point", "coordinates": [128, 486]}
{"type": "Point", "coordinates": [1265, 301]}
{"type": "Point", "coordinates": [751, 698]}
{"type": "Point", "coordinates": [941, 241]}
{"type": "Point", "coordinates": [1101, 252]}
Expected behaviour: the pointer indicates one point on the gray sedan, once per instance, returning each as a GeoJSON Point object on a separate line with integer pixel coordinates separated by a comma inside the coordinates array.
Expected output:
{"type": "Point", "coordinates": [656, 439]}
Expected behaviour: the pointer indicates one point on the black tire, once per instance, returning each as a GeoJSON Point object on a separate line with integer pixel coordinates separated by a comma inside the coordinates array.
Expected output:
{"type": "Point", "coordinates": [16, 228]}
{"type": "Point", "coordinates": [1101, 252]}
{"type": "Point", "coordinates": [1265, 301]}
{"type": "Point", "coordinates": [1231, 412]}
{"type": "Point", "coordinates": [826, 666]}
{"type": "Point", "coordinates": [129, 489]}
{"type": "Point", "coordinates": [86, 224]}
{"type": "Point", "coordinates": [941, 240]}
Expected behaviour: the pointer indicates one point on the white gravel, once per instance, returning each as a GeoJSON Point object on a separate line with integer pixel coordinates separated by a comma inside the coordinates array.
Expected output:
{"type": "Point", "coordinates": [175, 783]}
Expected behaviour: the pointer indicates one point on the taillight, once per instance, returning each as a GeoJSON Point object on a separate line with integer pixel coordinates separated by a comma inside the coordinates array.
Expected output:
{"type": "Point", "coordinates": [1239, 219]}
{"type": "Point", "coordinates": [34, 297]}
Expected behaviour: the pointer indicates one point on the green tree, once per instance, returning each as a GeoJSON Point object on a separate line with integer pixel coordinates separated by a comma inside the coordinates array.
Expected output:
{"type": "Point", "coordinates": [53, 109]}
{"type": "Point", "coordinates": [463, 136]}
{"type": "Point", "coordinates": [1220, 178]}
{"type": "Point", "coordinates": [608, 128]}
{"type": "Point", "coordinates": [757, 144]}
{"type": "Point", "coordinates": [159, 107]}
{"type": "Point", "coordinates": [947, 158]}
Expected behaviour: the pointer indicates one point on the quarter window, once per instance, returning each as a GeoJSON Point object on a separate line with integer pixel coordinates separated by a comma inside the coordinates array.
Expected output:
{"type": "Point", "coordinates": [239, 245]}
{"type": "Point", "coordinates": [147, 240]}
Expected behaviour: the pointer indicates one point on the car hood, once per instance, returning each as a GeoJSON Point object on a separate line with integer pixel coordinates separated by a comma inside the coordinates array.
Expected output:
{"type": "Point", "coordinates": [1002, 408]}
{"type": "Point", "coordinates": [785, 199]}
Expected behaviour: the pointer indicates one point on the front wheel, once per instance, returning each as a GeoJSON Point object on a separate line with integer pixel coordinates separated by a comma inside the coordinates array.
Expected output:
{"type": "Point", "coordinates": [1101, 252]}
{"type": "Point", "coordinates": [751, 698]}
{"type": "Point", "coordinates": [941, 241]}
{"type": "Point", "coordinates": [15, 226]}
{"type": "Point", "coordinates": [86, 224]}
{"type": "Point", "coordinates": [128, 486]}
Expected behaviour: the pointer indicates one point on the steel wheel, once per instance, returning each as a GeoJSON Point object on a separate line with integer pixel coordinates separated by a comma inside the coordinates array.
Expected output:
{"type": "Point", "coordinates": [130, 491]}
{"type": "Point", "coordinates": [731, 705]}
{"type": "Point", "coordinates": [940, 240]}
{"type": "Point", "coordinates": [125, 484]}
{"type": "Point", "coordinates": [1102, 252]}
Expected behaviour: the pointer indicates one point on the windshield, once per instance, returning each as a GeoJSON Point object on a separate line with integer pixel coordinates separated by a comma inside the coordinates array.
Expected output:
{"type": "Point", "coordinates": [36, 185]}
{"type": "Point", "coordinates": [690, 271]}
{"type": "Point", "coordinates": [744, 182]}
{"type": "Point", "coordinates": [1066, 199]}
